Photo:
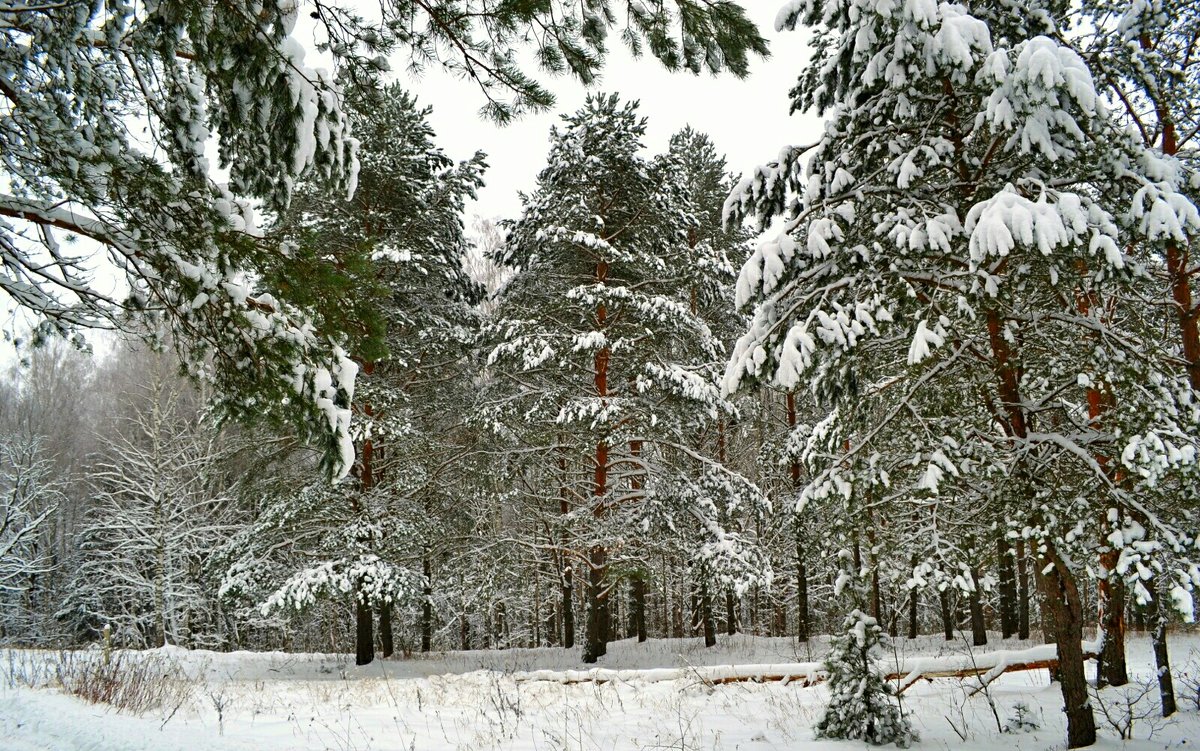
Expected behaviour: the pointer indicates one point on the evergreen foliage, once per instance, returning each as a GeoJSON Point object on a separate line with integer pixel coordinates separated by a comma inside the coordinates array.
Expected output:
{"type": "Point", "coordinates": [601, 349]}
{"type": "Point", "coordinates": [862, 704]}
{"type": "Point", "coordinates": [400, 240]}
{"type": "Point", "coordinates": [244, 308]}
{"type": "Point", "coordinates": [958, 283]}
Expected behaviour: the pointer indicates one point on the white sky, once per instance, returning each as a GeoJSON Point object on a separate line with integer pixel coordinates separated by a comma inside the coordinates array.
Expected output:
{"type": "Point", "coordinates": [747, 120]}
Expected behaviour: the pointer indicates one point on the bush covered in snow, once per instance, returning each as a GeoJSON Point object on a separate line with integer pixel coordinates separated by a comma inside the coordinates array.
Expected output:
{"type": "Point", "coordinates": [860, 700]}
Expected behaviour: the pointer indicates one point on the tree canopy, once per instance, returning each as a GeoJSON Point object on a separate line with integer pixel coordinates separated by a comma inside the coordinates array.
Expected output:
{"type": "Point", "coordinates": [108, 114]}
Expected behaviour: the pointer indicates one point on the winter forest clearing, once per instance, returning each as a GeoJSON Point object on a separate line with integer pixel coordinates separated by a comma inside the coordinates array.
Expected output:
{"type": "Point", "coordinates": [861, 441]}
{"type": "Point", "coordinates": [485, 700]}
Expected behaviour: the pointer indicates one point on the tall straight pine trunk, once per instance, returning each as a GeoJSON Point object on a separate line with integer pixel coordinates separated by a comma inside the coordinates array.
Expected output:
{"type": "Point", "coordinates": [567, 566]}
{"type": "Point", "coordinates": [948, 619]}
{"type": "Point", "coordinates": [1162, 660]}
{"type": "Point", "coordinates": [1187, 314]}
{"type": "Point", "coordinates": [1060, 595]}
{"type": "Point", "coordinates": [913, 603]}
{"type": "Point", "coordinates": [975, 603]}
{"type": "Point", "coordinates": [386, 642]}
{"type": "Point", "coordinates": [638, 578]}
{"type": "Point", "coordinates": [596, 642]}
{"type": "Point", "coordinates": [1022, 591]}
{"type": "Point", "coordinates": [427, 603]}
{"type": "Point", "coordinates": [364, 632]}
{"type": "Point", "coordinates": [1110, 600]}
{"type": "Point", "coordinates": [802, 614]}
{"type": "Point", "coordinates": [1008, 586]}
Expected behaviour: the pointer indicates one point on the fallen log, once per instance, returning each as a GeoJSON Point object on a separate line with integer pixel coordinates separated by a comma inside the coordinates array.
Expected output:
{"type": "Point", "coordinates": [985, 675]}
{"type": "Point", "coordinates": [986, 666]}
{"type": "Point", "coordinates": [713, 675]}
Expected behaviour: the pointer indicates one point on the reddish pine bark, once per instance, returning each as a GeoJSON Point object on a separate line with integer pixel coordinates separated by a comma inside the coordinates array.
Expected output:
{"type": "Point", "coordinates": [1060, 596]}
{"type": "Point", "coordinates": [596, 643]}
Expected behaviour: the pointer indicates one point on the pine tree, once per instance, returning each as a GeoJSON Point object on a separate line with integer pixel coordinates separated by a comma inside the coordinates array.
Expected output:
{"type": "Point", "coordinates": [703, 505]}
{"type": "Point", "coordinates": [861, 703]}
{"type": "Point", "coordinates": [971, 213]}
{"type": "Point", "coordinates": [241, 308]}
{"type": "Point", "coordinates": [1146, 52]}
{"type": "Point", "coordinates": [400, 241]}
{"type": "Point", "coordinates": [600, 352]}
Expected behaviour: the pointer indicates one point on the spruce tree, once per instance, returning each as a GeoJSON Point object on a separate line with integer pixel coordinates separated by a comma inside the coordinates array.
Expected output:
{"type": "Point", "coordinates": [862, 704]}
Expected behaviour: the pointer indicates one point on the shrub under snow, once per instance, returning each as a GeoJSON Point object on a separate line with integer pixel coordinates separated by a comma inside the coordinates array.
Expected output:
{"type": "Point", "coordinates": [861, 706]}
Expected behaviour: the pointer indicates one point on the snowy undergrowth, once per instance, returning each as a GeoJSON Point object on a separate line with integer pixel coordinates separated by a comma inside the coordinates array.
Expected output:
{"type": "Point", "coordinates": [473, 700]}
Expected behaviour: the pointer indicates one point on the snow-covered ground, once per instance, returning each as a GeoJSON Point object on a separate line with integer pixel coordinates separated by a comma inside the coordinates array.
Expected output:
{"type": "Point", "coordinates": [495, 700]}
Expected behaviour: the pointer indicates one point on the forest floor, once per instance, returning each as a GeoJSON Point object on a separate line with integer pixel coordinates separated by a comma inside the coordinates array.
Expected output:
{"type": "Point", "coordinates": [495, 700]}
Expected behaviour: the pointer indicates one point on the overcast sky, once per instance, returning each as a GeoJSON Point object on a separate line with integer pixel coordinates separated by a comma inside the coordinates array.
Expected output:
{"type": "Point", "coordinates": [747, 120]}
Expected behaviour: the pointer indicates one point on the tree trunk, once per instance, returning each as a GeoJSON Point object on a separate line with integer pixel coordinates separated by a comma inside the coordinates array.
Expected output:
{"type": "Point", "coordinates": [1008, 586]}
{"type": "Point", "coordinates": [427, 605]}
{"type": "Point", "coordinates": [364, 641]}
{"type": "Point", "coordinates": [913, 601]}
{"type": "Point", "coordinates": [1110, 591]}
{"type": "Point", "coordinates": [1162, 660]}
{"type": "Point", "coordinates": [1187, 314]}
{"type": "Point", "coordinates": [1060, 597]}
{"type": "Point", "coordinates": [568, 594]}
{"type": "Point", "coordinates": [1112, 669]}
{"type": "Point", "coordinates": [802, 615]}
{"type": "Point", "coordinates": [730, 613]}
{"type": "Point", "coordinates": [706, 616]}
{"type": "Point", "coordinates": [385, 630]}
{"type": "Point", "coordinates": [1022, 591]}
{"type": "Point", "coordinates": [568, 609]}
{"type": "Point", "coordinates": [947, 614]}
{"type": "Point", "coordinates": [364, 631]}
{"type": "Point", "coordinates": [613, 621]}
{"type": "Point", "coordinates": [975, 601]}
{"type": "Point", "coordinates": [595, 643]}
{"type": "Point", "coordinates": [639, 607]}
{"type": "Point", "coordinates": [638, 580]}
{"type": "Point", "coordinates": [876, 600]}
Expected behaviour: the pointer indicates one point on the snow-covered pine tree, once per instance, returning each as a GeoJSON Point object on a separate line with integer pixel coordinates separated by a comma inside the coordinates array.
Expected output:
{"type": "Point", "coordinates": [706, 513]}
{"type": "Point", "coordinates": [73, 75]}
{"type": "Point", "coordinates": [698, 501]}
{"type": "Point", "coordinates": [1146, 50]}
{"type": "Point", "coordinates": [970, 197]}
{"type": "Point", "coordinates": [599, 352]}
{"type": "Point", "coordinates": [400, 242]}
{"type": "Point", "coordinates": [862, 704]}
